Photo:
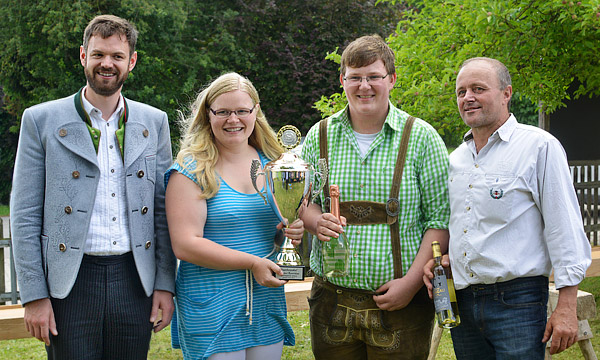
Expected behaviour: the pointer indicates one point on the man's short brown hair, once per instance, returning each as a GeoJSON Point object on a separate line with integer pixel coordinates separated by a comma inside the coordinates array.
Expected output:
{"type": "Point", "coordinates": [108, 25]}
{"type": "Point", "coordinates": [366, 50]}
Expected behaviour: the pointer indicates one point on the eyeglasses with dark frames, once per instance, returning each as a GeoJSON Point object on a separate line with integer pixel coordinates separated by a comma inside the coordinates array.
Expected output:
{"type": "Point", "coordinates": [371, 79]}
{"type": "Point", "coordinates": [225, 113]}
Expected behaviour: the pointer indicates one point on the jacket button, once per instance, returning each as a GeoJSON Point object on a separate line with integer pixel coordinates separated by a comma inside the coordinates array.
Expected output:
{"type": "Point", "coordinates": [62, 132]}
{"type": "Point", "coordinates": [140, 173]}
{"type": "Point", "coordinates": [62, 247]}
{"type": "Point", "coordinates": [148, 243]}
{"type": "Point", "coordinates": [76, 174]}
{"type": "Point", "coordinates": [144, 210]}
{"type": "Point", "coordinates": [145, 133]}
{"type": "Point", "coordinates": [68, 209]}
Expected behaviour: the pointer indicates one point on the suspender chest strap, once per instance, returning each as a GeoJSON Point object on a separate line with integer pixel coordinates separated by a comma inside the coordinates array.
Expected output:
{"type": "Point", "coordinates": [371, 212]}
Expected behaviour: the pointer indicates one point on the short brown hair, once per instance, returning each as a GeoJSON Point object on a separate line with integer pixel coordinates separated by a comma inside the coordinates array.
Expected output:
{"type": "Point", "coordinates": [366, 50]}
{"type": "Point", "coordinates": [109, 25]}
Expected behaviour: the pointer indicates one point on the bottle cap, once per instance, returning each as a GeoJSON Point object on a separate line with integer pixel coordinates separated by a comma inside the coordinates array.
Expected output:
{"type": "Point", "coordinates": [437, 252]}
{"type": "Point", "coordinates": [334, 190]}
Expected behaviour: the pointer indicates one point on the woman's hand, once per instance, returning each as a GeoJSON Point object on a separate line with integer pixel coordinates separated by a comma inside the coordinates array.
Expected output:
{"type": "Point", "coordinates": [263, 271]}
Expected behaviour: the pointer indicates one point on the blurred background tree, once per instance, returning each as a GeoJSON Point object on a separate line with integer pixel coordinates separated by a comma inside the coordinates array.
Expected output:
{"type": "Point", "coordinates": [183, 45]}
{"type": "Point", "coordinates": [546, 45]}
{"type": "Point", "coordinates": [286, 48]}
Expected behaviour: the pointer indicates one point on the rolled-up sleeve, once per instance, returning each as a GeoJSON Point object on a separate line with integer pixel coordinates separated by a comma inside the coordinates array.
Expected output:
{"type": "Point", "coordinates": [568, 246]}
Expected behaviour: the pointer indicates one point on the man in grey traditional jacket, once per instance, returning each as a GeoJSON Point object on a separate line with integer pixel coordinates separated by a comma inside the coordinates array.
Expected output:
{"type": "Point", "coordinates": [91, 244]}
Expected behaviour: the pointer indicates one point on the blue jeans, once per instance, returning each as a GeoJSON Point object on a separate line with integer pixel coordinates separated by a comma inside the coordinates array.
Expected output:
{"type": "Point", "coordinates": [502, 321]}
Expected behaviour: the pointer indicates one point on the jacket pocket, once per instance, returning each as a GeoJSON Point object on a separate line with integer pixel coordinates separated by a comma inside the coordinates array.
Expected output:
{"type": "Point", "coordinates": [151, 167]}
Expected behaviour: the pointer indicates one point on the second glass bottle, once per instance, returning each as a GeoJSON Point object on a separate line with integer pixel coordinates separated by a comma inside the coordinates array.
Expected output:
{"type": "Point", "coordinates": [336, 251]}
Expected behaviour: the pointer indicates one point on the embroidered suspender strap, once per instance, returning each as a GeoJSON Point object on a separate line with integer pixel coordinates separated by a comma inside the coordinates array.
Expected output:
{"type": "Point", "coordinates": [371, 212]}
{"type": "Point", "coordinates": [324, 154]}
{"type": "Point", "coordinates": [392, 206]}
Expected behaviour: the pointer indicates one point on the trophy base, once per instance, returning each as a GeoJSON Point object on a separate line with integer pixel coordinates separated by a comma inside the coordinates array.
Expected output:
{"type": "Point", "coordinates": [291, 272]}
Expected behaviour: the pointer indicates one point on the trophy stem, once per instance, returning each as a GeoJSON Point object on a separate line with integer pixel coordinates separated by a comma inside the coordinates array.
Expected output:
{"type": "Point", "coordinates": [288, 256]}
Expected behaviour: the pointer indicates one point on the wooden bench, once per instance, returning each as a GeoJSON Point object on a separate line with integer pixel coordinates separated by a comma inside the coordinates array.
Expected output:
{"type": "Point", "coordinates": [13, 327]}
{"type": "Point", "coordinates": [594, 269]}
{"type": "Point", "coordinates": [297, 293]}
{"type": "Point", "coordinates": [11, 322]}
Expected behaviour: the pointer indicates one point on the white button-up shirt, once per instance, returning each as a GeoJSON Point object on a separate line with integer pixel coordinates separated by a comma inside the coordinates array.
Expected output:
{"type": "Point", "coordinates": [514, 211]}
{"type": "Point", "coordinates": [108, 233]}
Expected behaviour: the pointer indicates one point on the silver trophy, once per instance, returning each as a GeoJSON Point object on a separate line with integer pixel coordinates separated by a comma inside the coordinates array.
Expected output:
{"type": "Point", "coordinates": [288, 187]}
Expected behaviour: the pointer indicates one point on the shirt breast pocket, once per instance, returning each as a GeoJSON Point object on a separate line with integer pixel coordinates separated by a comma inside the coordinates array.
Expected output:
{"type": "Point", "coordinates": [498, 197]}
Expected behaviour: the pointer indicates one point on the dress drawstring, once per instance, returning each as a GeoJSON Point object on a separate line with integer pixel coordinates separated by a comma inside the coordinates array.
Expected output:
{"type": "Point", "coordinates": [250, 289]}
{"type": "Point", "coordinates": [249, 295]}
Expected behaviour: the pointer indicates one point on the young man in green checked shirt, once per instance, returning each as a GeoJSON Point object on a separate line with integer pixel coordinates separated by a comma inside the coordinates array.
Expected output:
{"type": "Point", "coordinates": [394, 204]}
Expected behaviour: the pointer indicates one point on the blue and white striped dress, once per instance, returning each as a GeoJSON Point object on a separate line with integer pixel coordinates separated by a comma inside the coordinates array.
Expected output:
{"type": "Point", "coordinates": [227, 310]}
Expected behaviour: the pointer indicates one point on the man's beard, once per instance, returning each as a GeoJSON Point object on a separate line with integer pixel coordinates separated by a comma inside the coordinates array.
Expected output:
{"type": "Point", "coordinates": [100, 87]}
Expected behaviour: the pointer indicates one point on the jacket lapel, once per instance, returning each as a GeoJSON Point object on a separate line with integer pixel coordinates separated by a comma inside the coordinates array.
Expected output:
{"type": "Point", "coordinates": [76, 137]}
{"type": "Point", "coordinates": [136, 140]}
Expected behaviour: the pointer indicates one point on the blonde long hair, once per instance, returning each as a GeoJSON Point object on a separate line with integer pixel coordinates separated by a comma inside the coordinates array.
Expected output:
{"type": "Point", "coordinates": [198, 143]}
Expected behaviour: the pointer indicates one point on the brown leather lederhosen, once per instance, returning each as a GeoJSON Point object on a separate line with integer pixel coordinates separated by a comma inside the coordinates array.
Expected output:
{"type": "Point", "coordinates": [371, 212]}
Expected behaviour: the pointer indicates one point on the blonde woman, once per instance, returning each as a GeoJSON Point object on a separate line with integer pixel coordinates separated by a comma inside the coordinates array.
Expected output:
{"type": "Point", "coordinates": [229, 303]}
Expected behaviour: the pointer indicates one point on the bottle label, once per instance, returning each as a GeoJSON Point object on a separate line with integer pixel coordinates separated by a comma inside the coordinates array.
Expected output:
{"type": "Point", "coordinates": [441, 296]}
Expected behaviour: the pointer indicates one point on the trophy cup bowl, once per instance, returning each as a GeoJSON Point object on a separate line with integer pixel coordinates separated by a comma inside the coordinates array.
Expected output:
{"type": "Point", "coordinates": [288, 187]}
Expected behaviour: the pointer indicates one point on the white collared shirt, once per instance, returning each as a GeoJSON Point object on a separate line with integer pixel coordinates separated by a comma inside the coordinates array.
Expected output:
{"type": "Point", "coordinates": [108, 233]}
{"type": "Point", "coordinates": [514, 211]}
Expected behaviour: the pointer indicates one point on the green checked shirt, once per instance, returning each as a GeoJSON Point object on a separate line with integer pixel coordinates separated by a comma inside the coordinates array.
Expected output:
{"type": "Point", "coordinates": [423, 192]}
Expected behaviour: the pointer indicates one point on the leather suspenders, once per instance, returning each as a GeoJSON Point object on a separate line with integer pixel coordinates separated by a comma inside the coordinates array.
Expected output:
{"type": "Point", "coordinates": [371, 212]}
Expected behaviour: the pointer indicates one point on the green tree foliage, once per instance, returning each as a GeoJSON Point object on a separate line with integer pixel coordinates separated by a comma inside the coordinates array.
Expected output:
{"type": "Point", "coordinates": [288, 41]}
{"type": "Point", "coordinates": [7, 153]}
{"type": "Point", "coordinates": [546, 44]}
{"type": "Point", "coordinates": [39, 52]}
{"type": "Point", "coordinates": [183, 44]}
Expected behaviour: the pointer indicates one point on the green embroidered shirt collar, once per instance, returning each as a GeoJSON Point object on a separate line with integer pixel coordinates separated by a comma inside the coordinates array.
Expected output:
{"type": "Point", "coordinates": [95, 134]}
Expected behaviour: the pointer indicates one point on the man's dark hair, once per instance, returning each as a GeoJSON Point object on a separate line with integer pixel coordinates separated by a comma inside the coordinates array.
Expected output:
{"type": "Point", "coordinates": [108, 25]}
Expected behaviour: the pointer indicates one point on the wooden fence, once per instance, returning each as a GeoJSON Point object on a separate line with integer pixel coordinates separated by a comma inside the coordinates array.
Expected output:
{"type": "Point", "coordinates": [7, 267]}
{"type": "Point", "coordinates": [586, 179]}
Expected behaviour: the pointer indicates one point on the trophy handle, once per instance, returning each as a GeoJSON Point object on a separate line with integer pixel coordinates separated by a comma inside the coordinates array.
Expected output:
{"type": "Point", "coordinates": [322, 174]}
{"type": "Point", "coordinates": [254, 174]}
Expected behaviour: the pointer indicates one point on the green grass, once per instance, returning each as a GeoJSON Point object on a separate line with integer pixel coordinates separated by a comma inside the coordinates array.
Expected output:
{"type": "Point", "coordinates": [160, 347]}
{"type": "Point", "coordinates": [4, 210]}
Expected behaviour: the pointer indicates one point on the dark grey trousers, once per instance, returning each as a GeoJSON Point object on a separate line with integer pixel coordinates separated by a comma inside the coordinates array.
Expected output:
{"type": "Point", "coordinates": [106, 315]}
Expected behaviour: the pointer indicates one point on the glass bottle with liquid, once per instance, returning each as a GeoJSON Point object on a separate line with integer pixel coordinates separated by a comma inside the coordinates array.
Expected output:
{"type": "Point", "coordinates": [444, 296]}
{"type": "Point", "coordinates": [336, 251]}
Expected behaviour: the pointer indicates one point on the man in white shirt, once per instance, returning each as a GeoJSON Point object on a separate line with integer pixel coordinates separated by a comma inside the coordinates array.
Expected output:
{"type": "Point", "coordinates": [514, 218]}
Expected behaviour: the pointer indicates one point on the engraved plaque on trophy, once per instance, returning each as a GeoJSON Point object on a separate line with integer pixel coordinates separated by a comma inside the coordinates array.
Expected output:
{"type": "Point", "coordinates": [289, 183]}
